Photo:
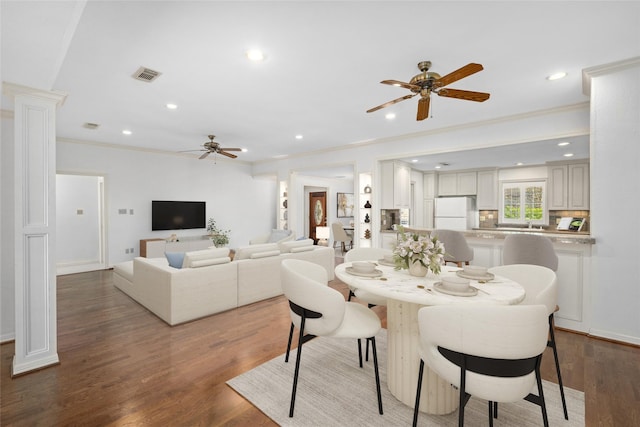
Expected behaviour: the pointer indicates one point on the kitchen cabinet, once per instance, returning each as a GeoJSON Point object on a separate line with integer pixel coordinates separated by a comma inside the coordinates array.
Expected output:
{"type": "Point", "coordinates": [457, 184]}
{"type": "Point", "coordinates": [429, 185]}
{"type": "Point", "coordinates": [568, 186]}
{"type": "Point", "coordinates": [396, 185]}
{"type": "Point", "coordinates": [487, 194]}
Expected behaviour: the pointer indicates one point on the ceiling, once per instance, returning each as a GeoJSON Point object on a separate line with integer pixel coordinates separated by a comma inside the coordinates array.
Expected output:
{"type": "Point", "coordinates": [324, 61]}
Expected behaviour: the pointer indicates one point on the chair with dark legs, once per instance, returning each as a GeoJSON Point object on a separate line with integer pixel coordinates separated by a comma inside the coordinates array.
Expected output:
{"type": "Point", "coordinates": [536, 250]}
{"type": "Point", "coordinates": [318, 310]}
{"type": "Point", "coordinates": [489, 352]}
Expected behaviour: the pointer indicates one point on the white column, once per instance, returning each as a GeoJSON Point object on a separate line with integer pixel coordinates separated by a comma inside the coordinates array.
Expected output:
{"type": "Point", "coordinates": [34, 209]}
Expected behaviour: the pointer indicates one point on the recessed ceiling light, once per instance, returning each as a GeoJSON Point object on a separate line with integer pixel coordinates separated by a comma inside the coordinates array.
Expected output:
{"type": "Point", "coordinates": [568, 155]}
{"type": "Point", "coordinates": [126, 132]}
{"type": "Point", "coordinates": [519, 164]}
{"type": "Point", "coordinates": [244, 150]}
{"type": "Point", "coordinates": [299, 136]}
{"type": "Point", "coordinates": [255, 55]}
{"type": "Point", "coordinates": [563, 143]}
{"type": "Point", "coordinates": [557, 76]}
{"type": "Point", "coordinates": [390, 116]}
{"type": "Point", "coordinates": [172, 106]}
{"type": "Point", "coordinates": [414, 161]}
{"type": "Point", "coordinates": [438, 166]}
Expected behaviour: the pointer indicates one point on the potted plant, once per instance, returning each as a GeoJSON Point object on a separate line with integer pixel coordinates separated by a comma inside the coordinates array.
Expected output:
{"type": "Point", "coordinates": [218, 237]}
{"type": "Point", "coordinates": [418, 253]}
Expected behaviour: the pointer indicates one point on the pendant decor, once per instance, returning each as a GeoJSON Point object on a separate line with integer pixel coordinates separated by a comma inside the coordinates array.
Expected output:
{"type": "Point", "coordinates": [366, 218]}
{"type": "Point", "coordinates": [367, 205]}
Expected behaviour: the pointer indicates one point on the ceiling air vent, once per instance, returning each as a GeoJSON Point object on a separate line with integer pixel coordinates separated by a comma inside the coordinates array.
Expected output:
{"type": "Point", "coordinates": [146, 74]}
{"type": "Point", "coordinates": [91, 126]}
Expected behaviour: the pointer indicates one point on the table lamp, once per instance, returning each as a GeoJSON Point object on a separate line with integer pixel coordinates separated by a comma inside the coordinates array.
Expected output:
{"type": "Point", "coordinates": [323, 234]}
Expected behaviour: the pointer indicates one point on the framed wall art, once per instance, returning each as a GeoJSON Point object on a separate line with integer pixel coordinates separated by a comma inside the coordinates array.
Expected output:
{"type": "Point", "coordinates": [345, 205]}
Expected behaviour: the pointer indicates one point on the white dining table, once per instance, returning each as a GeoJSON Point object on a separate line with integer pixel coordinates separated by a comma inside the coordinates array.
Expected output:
{"type": "Point", "coordinates": [405, 295]}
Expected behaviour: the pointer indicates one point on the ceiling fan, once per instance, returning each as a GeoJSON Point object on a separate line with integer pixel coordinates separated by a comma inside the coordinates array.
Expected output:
{"type": "Point", "coordinates": [428, 82]}
{"type": "Point", "coordinates": [212, 146]}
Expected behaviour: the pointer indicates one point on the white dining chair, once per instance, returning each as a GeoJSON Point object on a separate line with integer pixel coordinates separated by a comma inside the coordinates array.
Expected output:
{"type": "Point", "coordinates": [366, 254]}
{"type": "Point", "coordinates": [318, 310]}
{"type": "Point", "coordinates": [456, 248]}
{"type": "Point", "coordinates": [487, 351]}
{"type": "Point", "coordinates": [541, 287]}
{"type": "Point", "coordinates": [341, 236]}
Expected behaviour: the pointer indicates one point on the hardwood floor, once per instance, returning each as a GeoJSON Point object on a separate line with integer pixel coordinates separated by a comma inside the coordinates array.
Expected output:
{"type": "Point", "coordinates": [121, 365]}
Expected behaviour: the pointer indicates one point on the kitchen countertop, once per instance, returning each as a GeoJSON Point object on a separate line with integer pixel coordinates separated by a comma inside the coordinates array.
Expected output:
{"type": "Point", "coordinates": [571, 237]}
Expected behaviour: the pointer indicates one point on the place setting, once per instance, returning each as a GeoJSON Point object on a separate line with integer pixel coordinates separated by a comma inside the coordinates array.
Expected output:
{"type": "Point", "coordinates": [364, 269]}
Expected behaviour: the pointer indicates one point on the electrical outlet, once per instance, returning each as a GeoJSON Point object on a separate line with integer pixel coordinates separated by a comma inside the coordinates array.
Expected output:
{"type": "Point", "coordinates": [79, 211]}
{"type": "Point", "coordinates": [130, 211]}
{"type": "Point", "coordinates": [122, 211]}
{"type": "Point", "coordinates": [131, 250]}
{"type": "Point", "coordinates": [126, 251]}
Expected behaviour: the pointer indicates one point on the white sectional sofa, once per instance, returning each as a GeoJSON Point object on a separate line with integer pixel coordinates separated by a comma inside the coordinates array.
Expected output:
{"type": "Point", "coordinates": [178, 295]}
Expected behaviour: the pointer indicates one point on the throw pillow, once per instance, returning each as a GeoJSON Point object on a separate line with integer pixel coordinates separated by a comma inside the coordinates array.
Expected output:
{"type": "Point", "coordinates": [246, 251]}
{"type": "Point", "coordinates": [210, 261]}
{"type": "Point", "coordinates": [287, 246]}
{"type": "Point", "coordinates": [192, 256]}
{"type": "Point", "coordinates": [175, 259]}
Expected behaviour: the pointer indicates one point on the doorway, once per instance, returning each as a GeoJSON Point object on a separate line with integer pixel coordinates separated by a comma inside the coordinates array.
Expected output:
{"type": "Point", "coordinates": [80, 231]}
{"type": "Point", "coordinates": [317, 212]}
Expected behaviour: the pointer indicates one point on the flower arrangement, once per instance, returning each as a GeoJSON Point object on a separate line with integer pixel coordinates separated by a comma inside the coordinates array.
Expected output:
{"type": "Point", "coordinates": [414, 248]}
{"type": "Point", "coordinates": [218, 237]}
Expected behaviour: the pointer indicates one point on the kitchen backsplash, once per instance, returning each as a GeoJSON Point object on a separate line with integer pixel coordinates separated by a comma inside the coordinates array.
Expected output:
{"type": "Point", "coordinates": [489, 219]}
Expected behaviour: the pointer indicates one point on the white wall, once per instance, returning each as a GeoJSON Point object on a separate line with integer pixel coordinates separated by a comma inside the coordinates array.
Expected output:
{"type": "Point", "coordinates": [133, 178]}
{"type": "Point", "coordinates": [615, 202]}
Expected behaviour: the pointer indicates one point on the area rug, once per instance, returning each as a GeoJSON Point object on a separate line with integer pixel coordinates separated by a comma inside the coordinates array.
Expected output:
{"type": "Point", "coordinates": [334, 391]}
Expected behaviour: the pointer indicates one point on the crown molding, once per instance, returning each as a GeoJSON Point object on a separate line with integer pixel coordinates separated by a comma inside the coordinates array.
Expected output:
{"type": "Point", "coordinates": [12, 90]}
{"type": "Point", "coordinates": [601, 70]}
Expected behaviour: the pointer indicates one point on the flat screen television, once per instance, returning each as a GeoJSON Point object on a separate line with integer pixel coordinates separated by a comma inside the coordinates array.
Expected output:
{"type": "Point", "coordinates": [173, 215]}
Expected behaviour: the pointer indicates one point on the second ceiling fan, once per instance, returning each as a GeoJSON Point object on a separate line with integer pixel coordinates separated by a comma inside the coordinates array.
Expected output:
{"type": "Point", "coordinates": [427, 82]}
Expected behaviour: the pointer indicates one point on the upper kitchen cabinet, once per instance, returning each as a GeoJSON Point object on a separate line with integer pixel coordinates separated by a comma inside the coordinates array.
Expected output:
{"type": "Point", "coordinates": [429, 185]}
{"type": "Point", "coordinates": [569, 186]}
{"type": "Point", "coordinates": [396, 185]}
{"type": "Point", "coordinates": [487, 197]}
{"type": "Point", "coordinates": [457, 184]}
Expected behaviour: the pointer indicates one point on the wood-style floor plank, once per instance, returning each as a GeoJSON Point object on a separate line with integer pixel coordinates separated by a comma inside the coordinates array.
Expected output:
{"type": "Point", "coordinates": [121, 365]}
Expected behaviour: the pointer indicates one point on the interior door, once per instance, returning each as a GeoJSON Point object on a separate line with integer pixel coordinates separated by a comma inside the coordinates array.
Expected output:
{"type": "Point", "coordinates": [317, 212]}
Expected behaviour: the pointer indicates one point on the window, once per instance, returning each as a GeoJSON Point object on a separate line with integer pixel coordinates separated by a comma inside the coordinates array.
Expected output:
{"type": "Point", "coordinates": [523, 202]}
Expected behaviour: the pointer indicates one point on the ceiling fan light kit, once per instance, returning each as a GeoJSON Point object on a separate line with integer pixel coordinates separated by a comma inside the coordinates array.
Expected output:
{"type": "Point", "coordinates": [212, 146]}
{"type": "Point", "coordinates": [428, 82]}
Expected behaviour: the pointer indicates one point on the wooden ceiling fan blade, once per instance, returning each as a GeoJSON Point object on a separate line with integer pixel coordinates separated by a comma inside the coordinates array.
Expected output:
{"type": "Point", "coordinates": [204, 155]}
{"type": "Point", "coordinates": [423, 108]}
{"type": "Point", "coordinates": [224, 153]}
{"type": "Point", "coordinates": [464, 94]}
{"type": "Point", "coordinates": [395, 101]}
{"type": "Point", "coordinates": [401, 84]}
{"type": "Point", "coordinates": [458, 74]}
{"type": "Point", "coordinates": [231, 149]}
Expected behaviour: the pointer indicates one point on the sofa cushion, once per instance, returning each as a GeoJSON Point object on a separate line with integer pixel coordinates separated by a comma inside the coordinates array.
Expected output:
{"type": "Point", "coordinates": [246, 252]}
{"type": "Point", "coordinates": [210, 261]}
{"type": "Point", "coordinates": [175, 259]}
{"type": "Point", "coordinates": [286, 247]}
{"type": "Point", "coordinates": [204, 254]}
{"type": "Point", "coordinates": [277, 235]}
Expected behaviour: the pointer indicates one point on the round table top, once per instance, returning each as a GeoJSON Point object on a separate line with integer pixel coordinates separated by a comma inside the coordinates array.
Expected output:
{"type": "Point", "coordinates": [401, 286]}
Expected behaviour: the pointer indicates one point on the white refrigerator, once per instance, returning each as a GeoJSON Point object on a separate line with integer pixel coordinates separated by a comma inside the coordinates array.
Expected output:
{"type": "Point", "coordinates": [456, 213]}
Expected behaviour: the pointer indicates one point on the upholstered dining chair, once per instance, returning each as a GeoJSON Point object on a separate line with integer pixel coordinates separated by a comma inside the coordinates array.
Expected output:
{"type": "Point", "coordinates": [521, 248]}
{"type": "Point", "coordinates": [540, 285]}
{"type": "Point", "coordinates": [366, 254]}
{"type": "Point", "coordinates": [341, 236]}
{"type": "Point", "coordinates": [318, 310]}
{"type": "Point", "coordinates": [456, 248]}
{"type": "Point", "coordinates": [487, 351]}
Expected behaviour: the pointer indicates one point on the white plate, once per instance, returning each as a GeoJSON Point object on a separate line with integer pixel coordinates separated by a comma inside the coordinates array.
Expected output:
{"type": "Point", "coordinates": [388, 264]}
{"type": "Point", "coordinates": [440, 288]}
{"type": "Point", "coordinates": [374, 273]}
{"type": "Point", "coordinates": [488, 276]}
